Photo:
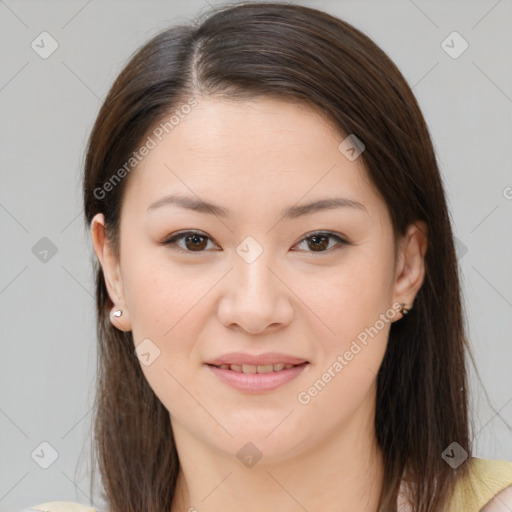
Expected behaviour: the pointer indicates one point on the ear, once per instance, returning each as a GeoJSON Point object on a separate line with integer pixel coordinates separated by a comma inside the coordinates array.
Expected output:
{"type": "Point", "coordinates": [111, 271]}
{"type": "Point", "coordinates": [410, 266]}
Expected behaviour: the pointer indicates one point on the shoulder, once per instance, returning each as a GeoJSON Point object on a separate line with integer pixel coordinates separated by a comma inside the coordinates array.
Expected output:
{"type": "Point", "coordinates": [488, 484]}
{"type": "Point", "coordinates": [502, 502]}
{"type": "Point", "coordinates": [60, 506]}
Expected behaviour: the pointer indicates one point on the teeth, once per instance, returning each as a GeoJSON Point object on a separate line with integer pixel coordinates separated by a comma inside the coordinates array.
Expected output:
{"type": "Point", "coordinates": [252, 368]}
{"type": "Point", "coordinates": [267, 368]}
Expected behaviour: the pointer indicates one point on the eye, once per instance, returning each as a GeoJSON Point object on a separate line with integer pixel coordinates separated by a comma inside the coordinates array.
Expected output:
{"type": "Point", "coordinates": [196, 241]}
{"type": "Point", "coordinates": [319, 241]}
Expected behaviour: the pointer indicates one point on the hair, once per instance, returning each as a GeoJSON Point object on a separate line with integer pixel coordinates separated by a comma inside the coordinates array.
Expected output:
{"type": "Point", "coordinates": [300, 54]}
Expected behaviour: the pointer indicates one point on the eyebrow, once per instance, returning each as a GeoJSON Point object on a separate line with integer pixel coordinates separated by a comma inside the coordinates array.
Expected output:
{"type": "Point", "coordinates": [292, 212]}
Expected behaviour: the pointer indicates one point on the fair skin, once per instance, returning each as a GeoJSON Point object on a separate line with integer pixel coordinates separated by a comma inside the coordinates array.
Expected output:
{"type": "Point", "coordinates": [257, 158]}
{"type": "Point", "coordinates": [502, 502]}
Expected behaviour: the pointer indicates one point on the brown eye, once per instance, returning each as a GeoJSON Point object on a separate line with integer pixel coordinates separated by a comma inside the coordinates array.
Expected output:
{"type": "Point", "coordinates": [319, 242]}
{"type": "Point", "coordinates": [192, 241]}
{"type": "Point", "coordinates": [195, 242]}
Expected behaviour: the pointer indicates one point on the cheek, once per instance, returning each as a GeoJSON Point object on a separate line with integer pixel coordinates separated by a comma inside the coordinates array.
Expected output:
{"type": "Point", "coordinates": [350, 297]}
{"type": "Point", "coordinates": [161, 296]}
{"type": "Point", "coordinates": [357, 306]}
{"type": "Point", "coordinates": [343, 380]}
{"type": "Point", "coordinates": [166, 304]}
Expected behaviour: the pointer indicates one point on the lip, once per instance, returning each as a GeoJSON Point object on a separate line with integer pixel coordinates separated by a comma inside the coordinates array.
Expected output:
{"type": "Point", "coordinates": [257, 382]}
{"type": "Point", "coordinates": [258, 359]}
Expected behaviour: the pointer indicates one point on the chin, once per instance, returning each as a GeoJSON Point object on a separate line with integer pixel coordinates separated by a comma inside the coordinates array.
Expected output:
{"type": "Point", "coordinates": [254, 439]}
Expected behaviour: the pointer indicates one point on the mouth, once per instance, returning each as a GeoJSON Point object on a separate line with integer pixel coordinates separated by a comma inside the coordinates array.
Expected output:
{"type": "Point", "coordinates": [253, 368]}
{"type": "Point", "coordinates": [250, 378]}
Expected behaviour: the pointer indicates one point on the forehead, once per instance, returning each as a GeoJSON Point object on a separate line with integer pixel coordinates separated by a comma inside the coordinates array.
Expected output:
{"type": "Point", "coordinates": [249, 154]}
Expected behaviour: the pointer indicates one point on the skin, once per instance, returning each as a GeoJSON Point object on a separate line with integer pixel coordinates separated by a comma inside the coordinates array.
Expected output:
{"type": "Point", "coordinates": [256, 158]}
{"type": "Point", "coordinates": [502, 502]}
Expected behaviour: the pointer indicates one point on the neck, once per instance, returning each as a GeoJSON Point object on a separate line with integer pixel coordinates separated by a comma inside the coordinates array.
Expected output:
{"type": "Point", "coordinates": [344, 472]}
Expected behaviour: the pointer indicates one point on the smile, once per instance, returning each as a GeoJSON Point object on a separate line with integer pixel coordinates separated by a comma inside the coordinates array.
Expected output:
{"type": "Point", "coordinates": [257, 378]}
{"type": "Point", "coordinates": [252, 368]}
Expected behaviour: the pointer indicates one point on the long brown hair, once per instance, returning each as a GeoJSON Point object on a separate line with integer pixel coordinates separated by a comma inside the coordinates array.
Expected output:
{"type": "Point", "coordinates": [294, 53]}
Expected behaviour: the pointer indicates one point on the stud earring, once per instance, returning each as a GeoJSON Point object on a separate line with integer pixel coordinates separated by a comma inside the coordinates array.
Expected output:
{"type": "Point", "coordinates": [403, 309]}
{"type": "Point", "coordinates": [118, 313]}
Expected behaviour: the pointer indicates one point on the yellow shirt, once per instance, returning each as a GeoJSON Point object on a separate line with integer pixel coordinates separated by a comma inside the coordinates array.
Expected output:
{"type": "Point", "coordinates": [487, 478]}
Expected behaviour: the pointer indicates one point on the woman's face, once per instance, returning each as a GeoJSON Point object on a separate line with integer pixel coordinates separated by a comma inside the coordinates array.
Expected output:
{"type": "Point", "coordinates": [255, 280]}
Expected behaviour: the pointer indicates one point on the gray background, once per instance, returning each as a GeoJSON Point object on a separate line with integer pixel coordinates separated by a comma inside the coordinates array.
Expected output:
{"type": "Point", "coordinates": [47, 110]}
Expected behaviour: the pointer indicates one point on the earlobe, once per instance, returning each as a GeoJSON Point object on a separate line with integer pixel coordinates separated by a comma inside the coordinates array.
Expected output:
{"type": "Point", "coordinates": [123, 324]}
{"type": "Point", "coordinates": [411, 267]}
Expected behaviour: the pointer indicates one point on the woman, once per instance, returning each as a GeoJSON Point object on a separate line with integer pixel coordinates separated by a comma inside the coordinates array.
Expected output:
{"type": "Point", "coordinates": [279, 312]}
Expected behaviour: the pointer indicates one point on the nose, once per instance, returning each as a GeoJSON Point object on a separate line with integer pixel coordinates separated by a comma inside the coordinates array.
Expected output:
{"type": "Point", "coordinates": [255, 298]}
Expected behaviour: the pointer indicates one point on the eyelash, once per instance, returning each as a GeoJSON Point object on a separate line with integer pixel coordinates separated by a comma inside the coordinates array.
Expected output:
{"type": "Point", "coordinates": [171, 240]}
